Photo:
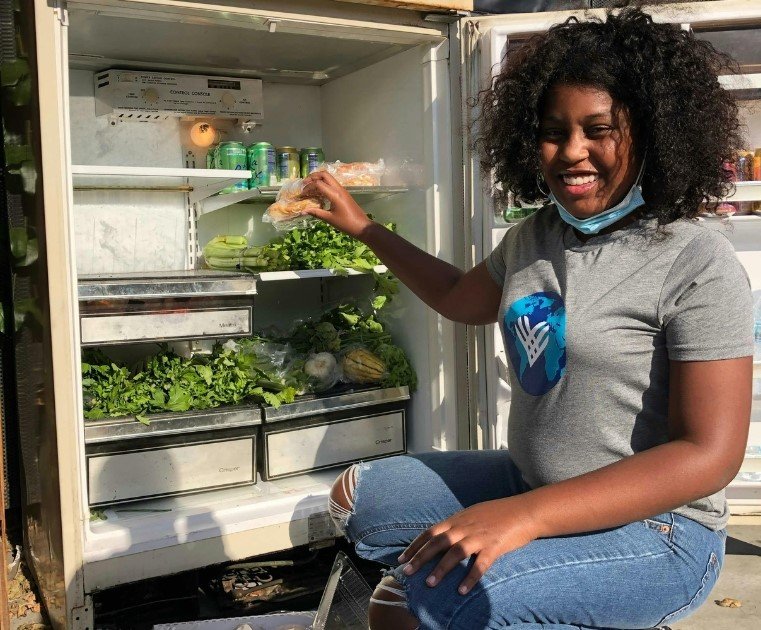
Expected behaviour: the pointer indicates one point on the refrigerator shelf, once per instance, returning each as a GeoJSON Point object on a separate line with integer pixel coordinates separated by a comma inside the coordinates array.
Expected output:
{"type": "Point", "coordinates": [746, 191]}
{"type": "Point", "coordinates": [269, 193]}
{"type": "Point", "coordinates": [166, 284]}
{"type": "Point", "coordinates": [332, 402]}
{"type": "Point", "coordinates": [198, 182]}
{"type": "Point", "coordinates": [129, 428]}
{"type": "Point", "coordinates": [303, 274]}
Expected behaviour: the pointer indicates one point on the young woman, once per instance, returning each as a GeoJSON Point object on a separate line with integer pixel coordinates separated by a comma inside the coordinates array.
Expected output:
{"type": "Point", "coordinates": [628, 328]}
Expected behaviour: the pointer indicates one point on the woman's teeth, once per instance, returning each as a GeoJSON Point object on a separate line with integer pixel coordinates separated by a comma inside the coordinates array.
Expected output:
{"type": "Point", "coordinates": [579, 180]}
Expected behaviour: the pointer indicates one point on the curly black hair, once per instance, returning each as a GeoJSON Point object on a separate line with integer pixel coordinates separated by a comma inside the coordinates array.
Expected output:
{"type": "Point", "coordinates": [682, 119]}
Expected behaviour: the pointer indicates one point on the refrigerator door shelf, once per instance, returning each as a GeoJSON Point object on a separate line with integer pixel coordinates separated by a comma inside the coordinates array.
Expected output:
{"type": "Point", "coordinates": [335, 402]}
{"type": "Point", "coordinates": [146, 286]}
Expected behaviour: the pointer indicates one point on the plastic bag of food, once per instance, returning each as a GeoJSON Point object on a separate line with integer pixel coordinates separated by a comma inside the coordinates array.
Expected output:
{"type": "Point", "coordinates": [360, 365]}
{"type": "Point", "coordinates": [356, 173]}
{"type": "Point", "coordinates": [288, 211]}
{"type": "Point", "coordinates": [322, 370]}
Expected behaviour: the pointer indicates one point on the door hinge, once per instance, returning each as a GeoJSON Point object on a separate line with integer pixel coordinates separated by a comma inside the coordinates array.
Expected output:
{"type": "Point", "coordinates": [82, 616]}
{"type": "Point", "coordinates": [61, 11]}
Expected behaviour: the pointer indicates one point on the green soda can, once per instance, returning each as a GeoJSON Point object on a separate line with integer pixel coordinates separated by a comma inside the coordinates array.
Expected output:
{"type": "Point", "coordinates": [232, 156]}
{"type": "Point", "coordinates": [211, 157]}
{"type": "Point", "coordinates": [288, 163]}
{"type": "Point", "coordinates": [311, 158]}
{"type": "Point", "coordinates": [262, 164]}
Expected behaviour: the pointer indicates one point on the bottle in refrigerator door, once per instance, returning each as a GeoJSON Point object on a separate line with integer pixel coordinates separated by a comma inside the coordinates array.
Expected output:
{"type": "Point", "coordinates": [744, 173]}
{"type": "Point", "coordinates": [757, 344]}
{"type": "Point", "coordinates": [757, 177]}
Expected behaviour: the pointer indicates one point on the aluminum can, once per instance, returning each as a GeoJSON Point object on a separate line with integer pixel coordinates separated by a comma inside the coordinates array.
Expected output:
{"type": "Point", "coordinates": [288, 163]}
{"type": "Point", "coordinates": [211, 157]}
{"type": "Point", "coordinates": [232, 156]}
{"type": "Point", "coordinates": [311, 159]}
{"type": "Point", "coordinates": [262, 164]}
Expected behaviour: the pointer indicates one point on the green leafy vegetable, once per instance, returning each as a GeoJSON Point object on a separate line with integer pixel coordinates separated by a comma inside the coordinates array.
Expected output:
{"type": "Point", "coordinates": [168, 382]}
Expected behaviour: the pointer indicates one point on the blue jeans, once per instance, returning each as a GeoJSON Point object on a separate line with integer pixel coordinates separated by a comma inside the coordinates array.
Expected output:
{"type": "Point", "coordinates": [640, 575]}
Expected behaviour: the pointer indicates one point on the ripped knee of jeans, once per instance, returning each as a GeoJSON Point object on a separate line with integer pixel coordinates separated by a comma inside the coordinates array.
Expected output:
{"type": "Point", "coordinates": [388, 606]}
{"type": "Point", "coordinates": [389, 593]}
{"type": "Point", "coordinates": [341, 505]}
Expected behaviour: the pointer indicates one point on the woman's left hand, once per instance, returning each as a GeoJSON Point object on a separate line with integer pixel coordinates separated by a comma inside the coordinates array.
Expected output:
{"type": "Point", "coordinates": [486, 530]}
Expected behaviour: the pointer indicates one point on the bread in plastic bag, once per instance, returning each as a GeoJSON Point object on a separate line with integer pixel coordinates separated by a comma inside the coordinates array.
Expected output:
{"type": "Point", "coordinates": [288, 211]}
{"type": "Point", "coordinates": [356, 173]}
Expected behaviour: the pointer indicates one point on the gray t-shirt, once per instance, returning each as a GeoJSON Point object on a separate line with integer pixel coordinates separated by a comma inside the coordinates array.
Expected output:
{"type": "Point", "coordinates": [589, 329]}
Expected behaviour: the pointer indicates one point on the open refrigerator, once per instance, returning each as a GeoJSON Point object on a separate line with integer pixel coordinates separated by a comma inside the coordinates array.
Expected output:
{"type": "Point", "coordinates": [128, 205]}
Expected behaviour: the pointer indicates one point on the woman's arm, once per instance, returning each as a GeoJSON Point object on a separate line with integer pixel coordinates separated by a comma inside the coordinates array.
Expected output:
{"type": "Point", "coordinates": [709, 419]}
{"type": "Point", "coordinates": [469, 298]}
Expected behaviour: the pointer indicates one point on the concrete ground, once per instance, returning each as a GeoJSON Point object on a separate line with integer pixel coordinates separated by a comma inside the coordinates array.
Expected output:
{"type": "Point", "coordinates": [740, 579]}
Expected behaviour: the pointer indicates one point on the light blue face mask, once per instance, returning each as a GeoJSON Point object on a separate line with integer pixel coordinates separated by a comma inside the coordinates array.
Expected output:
{"type": "Point", "coordinates": [592, 225]}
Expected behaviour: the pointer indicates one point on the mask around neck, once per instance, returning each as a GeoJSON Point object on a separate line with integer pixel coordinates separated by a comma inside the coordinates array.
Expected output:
{"type": "Point", "coordinates": [598, 222]}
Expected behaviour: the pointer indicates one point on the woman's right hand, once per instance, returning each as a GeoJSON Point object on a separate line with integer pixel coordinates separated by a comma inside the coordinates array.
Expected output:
{"type": "Point", "coordinates": [344, 214]}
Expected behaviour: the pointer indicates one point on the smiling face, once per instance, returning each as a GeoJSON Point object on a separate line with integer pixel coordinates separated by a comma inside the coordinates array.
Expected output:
{"type": "Point", "coordinates": [586, 149]}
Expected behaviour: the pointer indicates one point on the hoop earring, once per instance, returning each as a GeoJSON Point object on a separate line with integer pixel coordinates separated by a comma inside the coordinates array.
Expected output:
{"type": "Point", "coordinates": [539, 180]}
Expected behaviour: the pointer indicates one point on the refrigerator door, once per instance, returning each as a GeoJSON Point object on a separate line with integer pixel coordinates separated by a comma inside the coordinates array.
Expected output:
{"type": "Point", "coordinates": [38, 187]}
{"type": "Point", "coordinates": [484, 42]}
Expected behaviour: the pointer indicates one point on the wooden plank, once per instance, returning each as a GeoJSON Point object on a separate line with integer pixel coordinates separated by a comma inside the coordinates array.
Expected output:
{"type": "Point", "coordinates": [421, 5]}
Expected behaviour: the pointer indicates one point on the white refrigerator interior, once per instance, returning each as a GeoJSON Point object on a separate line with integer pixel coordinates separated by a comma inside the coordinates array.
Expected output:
{"type": "Point", "coordinates": [361, 97]}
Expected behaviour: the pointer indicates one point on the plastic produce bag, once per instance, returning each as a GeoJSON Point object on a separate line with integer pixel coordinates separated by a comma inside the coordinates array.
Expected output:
{"type": "Point", "coordinates": [273, 365]}
{"type": "Point", "coordinates": [356, 173]}
{"type": "Point", "coordinates": [288, 211]}
{"type": "Point", "coordinates": [322, 370]}
{"type": "Point", "coordinates": [232, 253]}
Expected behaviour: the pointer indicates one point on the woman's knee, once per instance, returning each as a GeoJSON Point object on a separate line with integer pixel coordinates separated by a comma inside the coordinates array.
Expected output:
{"type": "Point", "coordinates": [388, 608]}
{"type": "Point", "coordinates": [341, 504]}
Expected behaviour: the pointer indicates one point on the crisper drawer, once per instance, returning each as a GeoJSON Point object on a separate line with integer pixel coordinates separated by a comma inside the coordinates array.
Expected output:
{"type": "Point", "coordinates": [175, 454]}
{"type": "Point", "coordinates": [125, 308]}
{"type": "Point", "coordinates": [165, 324]}
{"type": "Point", "coordinates": [293, 447]}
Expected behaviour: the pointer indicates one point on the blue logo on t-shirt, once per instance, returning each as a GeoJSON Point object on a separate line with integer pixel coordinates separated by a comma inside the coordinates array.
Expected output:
{"type": "Point", "coordinates": [535, 340]}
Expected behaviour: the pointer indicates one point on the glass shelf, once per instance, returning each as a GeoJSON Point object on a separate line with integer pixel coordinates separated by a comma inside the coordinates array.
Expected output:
{"type": "Point", "coordinates": [199, 183]}
{"type": "Point", "coordinates": [268, 195]}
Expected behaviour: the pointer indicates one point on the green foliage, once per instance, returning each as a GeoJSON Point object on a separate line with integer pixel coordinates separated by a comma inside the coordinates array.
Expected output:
{"type": "Point", "coordinates": [316, 246]}
{"type": "Point", "coordinates": [346, 326]}
{"type": "Point", "coordinates": [170, 383]}
{"type": "Point", "coordinates": [321, 246]}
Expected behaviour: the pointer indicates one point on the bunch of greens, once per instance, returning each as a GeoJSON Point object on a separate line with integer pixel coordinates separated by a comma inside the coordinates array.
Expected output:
{"type": "Point", "coordinates": [316, 246]}
{"type": "Point", "coordinates": [167, 382]}
{"type": "Point", "coordinates": [347, 325]}
{"type": "Point", "coordinates": [321, 246]}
